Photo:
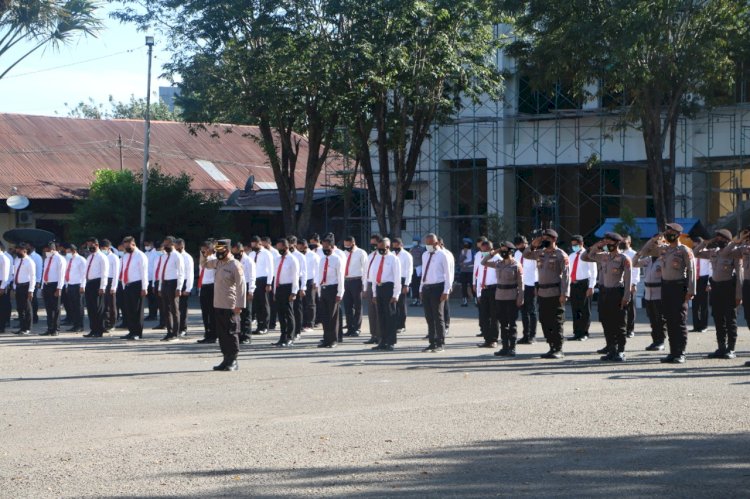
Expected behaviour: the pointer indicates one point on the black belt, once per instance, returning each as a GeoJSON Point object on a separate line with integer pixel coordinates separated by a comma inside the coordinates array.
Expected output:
{"type": "Point", "coordinates": [50, 283]}
{"type": "Point", "coordinates": [652, 284]}
{"type": "Point", "coordinates": [507, 286]}
{"type": "Point", "coordinates": [612, 288]}
{"type": "Point", "coordinates": [549, 286]}
{"type": "Point", "coordinates": [580, 281]}
{"type": "Point", "coordinates": [677, 281]}
{"type": "Point", "coordinates": [139, 282]}
{"type": "Point", "coordinates": [384, 283]}
{"type": "Point", "coordinates": [356, 277]}
{"type": "Point", "coordinates": [441, 284]}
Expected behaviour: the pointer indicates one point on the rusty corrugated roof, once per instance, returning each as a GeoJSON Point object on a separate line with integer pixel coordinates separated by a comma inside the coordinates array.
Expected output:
{"type": "Point", "coordinates": [55, 158]}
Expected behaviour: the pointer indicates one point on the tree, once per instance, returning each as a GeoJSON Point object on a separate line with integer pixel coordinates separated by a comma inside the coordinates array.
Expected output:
{"type": "Point", "coordinates": [666, 58]}
{"type": "Point", "coordinates": [27, 26]}
{"type": "Point", "coordinates": [134, 109]}
{"type": "Point", "coordinates": [412, 64]}
{"type": "Point", "coordinates": [112, 208]}
{"type": "Point", "coordinates": [270, 63]}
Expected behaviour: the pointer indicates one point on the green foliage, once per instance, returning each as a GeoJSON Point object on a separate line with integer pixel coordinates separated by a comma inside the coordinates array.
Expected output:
{"type": "Point", "coordinates": [627, 225]}
{"type": "Point", "coordinates": [113, 206]}
{"type": "Point", "coordinates": [134, 109]}
{"type": "Point", "coordinates": [40, 23]}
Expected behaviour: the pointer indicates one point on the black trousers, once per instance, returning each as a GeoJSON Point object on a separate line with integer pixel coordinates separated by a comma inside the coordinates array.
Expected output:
{"type": "Point", "coordinates": [110, 306]}
{"type": "Point", "coordinates": [372, 314]}
{"type": "Point", "coordinates": [528, 312]}
{"type": "Point", "coordinates": [401, 308]}
{"type": "Point", "coordinates": [386, 313]}
{"type": "Point", "coordinates": [170, 303]}
{"type": "Point", "coordinates": [675, 309]}
{"type": "Point", "coordinates": [120, 300]}
{"type": "Point", "coordinates": [613, 318]}
{"type": "Point", "coordinates": [273, 315]}
{"type": "Point", "coordinates": [552, 317]}
{"type": "Point", "coordinates": [153, 302]}
{"type": "Point", "coordinates": [285, 311]}
{"type": "Point", "coordinates": [724, 311]}
{"type": "Point", "coordinates": [35, 304]}
{"type": "Point", "coordinates": [746, 300]}
{"type": "Point", "coordinates": [353, 304]}
{"type": "Point", "coordinates": [580, 306]}
{"type": "Point", "coordinates": [434, 312]}
{"type": "Point", "coordinates": [630, 316]}
{"type": "Point", "coordinates": [328, 313]}
{"type": "Point", "coordinates": [308, 304]}
{"type": "Point", "coordinates": [488, 318]}
{"type": "Point", "coordinates": [183, 304]}
{"type": "Point", "coordinates": [95, 306]}
{"type": "Point", "coordinates": [657, 321]}
{"type": "Point", "coordinates": [261, 306]}
{"type": "Point", "coordinates": [52, 306]}
{"type": "Point", "coordinates": [5, 308]}
{"type": "Point", "coordinates": [23, 306]}
{"type": "Point", "coordinates": [507, 313]}
{"type": "Point", "coordinates": [700, 304]}
{"type": "Point", "coordinates": [416, 281]}
{"type": "Point", "coordinates": [132, 308]}
{"type": "Point", "coordinates": [299, 314]}
{"type": "Point", "coordinates": [208, 311]}
{"type": "Point", "coordinates": [228, 333]}
{"type": "Point", "coordinates": [74, 305]}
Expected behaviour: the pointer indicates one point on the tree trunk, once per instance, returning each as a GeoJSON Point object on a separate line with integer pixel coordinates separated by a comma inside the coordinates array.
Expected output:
{"type": "Point", "coordinates": [651, 131]}
{"type": "Point", "coordinates": [281, 166]}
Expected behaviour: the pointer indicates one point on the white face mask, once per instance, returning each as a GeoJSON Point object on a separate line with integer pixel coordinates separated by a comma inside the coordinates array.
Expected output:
{"type": "Point", "coordinates": [48, 254]}
{"type": "Point", "coordinates": [69, 256]}
{"type": "Point", "coordinates": [149, 248]}
{"type": "Point", "coordinates": [431, 248]}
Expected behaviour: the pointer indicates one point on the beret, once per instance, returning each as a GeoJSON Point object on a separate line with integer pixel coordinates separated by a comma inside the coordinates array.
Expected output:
{"type": "Point", "coordinates": [508, 245]}
{"type": "Point", "coordinates": [724, 233]}
{"type": "Point", "coordinates": [223, 242]}
{"type": "Point", "coordinates": [550, 233]}
{"type": "Point", "coordinates": [675, 227]}
{"type": "Point", "coordinates": [520, 240]}
{"type": "Point", "coordinates": [613, 236]}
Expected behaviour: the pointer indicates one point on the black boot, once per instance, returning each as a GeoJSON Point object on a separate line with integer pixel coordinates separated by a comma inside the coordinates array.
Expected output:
{"type": "Point", "coordinates": [512, 347]}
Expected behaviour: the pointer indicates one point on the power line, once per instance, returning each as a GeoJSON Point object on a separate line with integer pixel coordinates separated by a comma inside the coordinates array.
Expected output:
{"type": "Point", "coordinates": [71, 64]}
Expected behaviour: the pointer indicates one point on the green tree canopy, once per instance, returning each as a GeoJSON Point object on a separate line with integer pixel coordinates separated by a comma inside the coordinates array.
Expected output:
{"type": "Point", "coordinates": [134, 109]}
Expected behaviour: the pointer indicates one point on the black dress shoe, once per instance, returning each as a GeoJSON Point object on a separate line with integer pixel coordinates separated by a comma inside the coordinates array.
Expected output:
{"type": "Point", "coordinates": [429, 349]}
{"type": "Point", "coordinates": [230, 367]}
{"type": "Point", "coordinates": [524, 341]}
{"type": "Point", "coordinates": [221, 366]}
{"type": "Point", "coordinates": [603, 350]}
{"type": "Point", "coordinates": [667, 360]}
{"type": "Point", "coordinates": [678, 359]}
{"type": "Point", "coordinates": [206, 340]}
{"type": "Point", "coordinates": [655, 347]}
{"type": "Point", "coordinates": [388, 348]}
{"type": "Point", "coordinates": [159, 326]}
{"type": "Point", "coordinates": [331, 345]}
{"type": "Point", "coordinates": [503, 352]}
{"type": "Point", "coordinates": [46, 333]}
{"type": "Point", "coordinates": [260, 332]}
{"type": "Point", "coordinates": [371, 341]}
{"type": "Point", "coordinates": [718, 354]}
{"type": "Point", "coordinates": [631, 334]}
{"type": "Point", "coordinates": [244, 340]}
{"type": "Point", "coordinates": [170, 337]}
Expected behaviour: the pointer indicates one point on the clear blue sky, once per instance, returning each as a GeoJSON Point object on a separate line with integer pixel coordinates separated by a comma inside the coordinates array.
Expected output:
{"type": "Point", "coordinates": [44, 93]}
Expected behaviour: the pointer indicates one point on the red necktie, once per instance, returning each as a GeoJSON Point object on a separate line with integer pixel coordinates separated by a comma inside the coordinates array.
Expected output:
{"type": "Point", "coordinates": [379, 278]}
{"type": "Point", "coordinates": [46, 271]}
{"type": "Point", "coordinates": [18, 270]}
{"type": "Point", "coordinates": [158, 266]}
{"type": "Point", "coordinates": [575, 266]}
{"type": "Point", "coordinates": [278, 272]}
{"type": "Point", "coordinates": [699, 267]}
{"type": "Point", "coordinates": [256, 256]}
{"type": "Point", "coordinates": [521, 259]}
{"type": "Point", "coordinates": [126, 278]}
{"type": "Point", "coordinates": [348, 259]}
{"type": "Point", "coordinates": [89, 266]}
{"type": "Point", "coordinates": [67, 271]}
{"type": "Point", "coordinates": [164, 269]}
{"type": "Point", "coordinates": [325, 272]}
{"type": "Point", "coordinates": [200, 277]}
{"type": "Point", "coordinates": [427, 267]}
{"type": "Point", "coordinates": [484, 277]}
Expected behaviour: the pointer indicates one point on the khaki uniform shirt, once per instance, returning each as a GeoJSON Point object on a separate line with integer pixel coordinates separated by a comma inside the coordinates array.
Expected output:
{"type": "Point", "coordinates": [677, 263]}
{"type": "Point", "coordinates": [726, 263]}
{"type": "Point", "coordinates": [652, 276]}
{"type": "Point", "coordinates": [509, 278]}
{"type": "Point", "coordinates": [616, 269]}
{"type": "Point", "coordinates": [229, 282]}
{"type": "Point", "coordinates": [554, 271]}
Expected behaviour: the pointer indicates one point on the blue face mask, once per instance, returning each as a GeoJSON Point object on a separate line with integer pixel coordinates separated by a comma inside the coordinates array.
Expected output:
{"type": "Point", "coordinates": [575, 248]}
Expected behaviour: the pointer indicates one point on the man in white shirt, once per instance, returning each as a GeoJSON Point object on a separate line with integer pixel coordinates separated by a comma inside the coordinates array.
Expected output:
{"type": "Point", "coordinates": [330, 282]}
{"type": "Point", "coordinates": [452, 266]}
{"type": "Point", "coordinates": [187, 285]}
{"type": "Point", "coordinates": [583, 279]}
{"type": "Point", "coordinates": [75, 275]}
{"type": "Point", "coordinates": [267, 245]}
{"type": "Point", "coordinates": [286, 287]}
{"type": "Point", "coordinates": [96, 275]}
{"type": "Point", "coordinates": [6, 276]}
{"type": "Point", "coordinates": [24, 283]}
{"type": "Point", "coordinates": [248, 271]}
{"type": "Point", "coordinates": [153, 254]}
{"type": "Point", "coordinates": [206, 280]}
{"type": "Point", "coordinates": [171, 277]}
{"type": "Point", "coordinates": [407, 270]}
{"type": "Point", "coordinates": [53, 281]}
{"type": "Point", "coordinates": [355, 279]}
{"type": "Point", "coordinates": [264, 269]}
{"type": "Point", "coordinates": [311, 291]}
{"type": "Point", "coordinates": [385, 276]}
{"type": "Point", "coordinates": [435, 288]}
{"type": "Point", "coordinates": [113, 279]}
{"type": "Point", "coordinates": [475, 278]}
{"type": "Point", "coordinates": [635, 272]}
{"type": "Point", "coordinates": [485, 283]}
{"type": "Point", "coordinates": [530, 279]}
{"type": "Point", "coordinates": [38, 265]}
{"type": "Point", "coordinates": [703, 272]}
{"type": "Point", "coordinates": [134, 277]}
{"type": "Point", "coordinates": [299, 302]}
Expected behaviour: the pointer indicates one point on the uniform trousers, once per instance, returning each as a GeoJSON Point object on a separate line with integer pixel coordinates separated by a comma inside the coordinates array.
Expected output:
{"type": "Point", "coordinates": [5, 307]}
{"type": "Point", "coordinates": [674, 308]}
{"type": "Point", "coordinates": [507, 313]}
{"type": "Point", "coordinates": [110, 306]}
{"type": "Point", "coordinates": [488, 316]}
{"type": "Point", "coordinates": [724, 311]}
{"type": "Point", "coordinates": [657, 321]}
{"type": "Point", "coordinates": [353, 304]}
{"type": "Point", "coordinates": [528, 312]}
{"type": "Point", "coordinates": [285, 311]}
{"type": "Point", "coordinates": [95, 306]}
{"type": "Point", "coordinates": [228, 333]}
{"type": "Point", "coordinates": [74, 305]}
{"type": "Point", "coordinates": [170, 300]}
{"type": "Point", "coordinates": [386, 312]}
{"type": "Point", "coordinates": [308, 304]}
{"type": "Point", "coordinates": [183, 306]}
{"type": "Point", "coordinates": [52, 306]}
{"type": "Point", "coordinates": [401, 308]}
{"type": "Point", "coordinates": [613, 318]}
{"type": "Point", "coordinates": [434, 312]}
{"type": "Point", "coordinates": [132, 308]}
{"type": "Point", "coordinates": [552, 317]}
{"type": "Point", "coordinates": [23, 306]}
{"type": "Point", "coordinates": [700, 304]}
{"type": "Point", "coordinates": [372, 314]}
{"type": "Point", "coordinates": [328, 313]}
{"type": "Point", "coordinates": [206, 295]}
{"type": "Point", "coordinates": [299, 313]}
{"type": "Point", "coordinates": [580, 306]}
{"type": "Point", "coordinates": [261, 306]}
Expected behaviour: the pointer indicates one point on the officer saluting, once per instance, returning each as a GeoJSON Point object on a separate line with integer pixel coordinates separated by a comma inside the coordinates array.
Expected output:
{"type": "Point", "coordinates": [726, 289]}
{"type": "Point", "coordinates": [509, 293]}
{"type": "Point", "coordinates": [677, 287]}
{"type": "Point", "coordinates": [616, 270]}
{"type": "Point", "coordinates": [554, 288]}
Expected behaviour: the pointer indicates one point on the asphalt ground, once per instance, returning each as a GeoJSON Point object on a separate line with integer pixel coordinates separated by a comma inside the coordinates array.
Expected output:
{"type": "Point", "coordinates": [107, 418]}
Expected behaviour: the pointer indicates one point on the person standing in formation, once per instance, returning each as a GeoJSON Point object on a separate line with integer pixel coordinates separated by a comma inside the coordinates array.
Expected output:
{"type": "Point", "coordinates": [6, 265]}
{"type": "Point", "coordinates": [206, 287]}
{"type": "Point", "coordinates": [75, 274]}
{"type": "Point", "coordinates": [286, 286]}
{"type": "Point", "coordinates": [372, 314]}
{"type": "Point", "coordinates": [24, 283]}
{"type": "Point", "coordinates": [113, 272]}
{"type": "Point", "coordinates": [508, 295]}
{"type": "Point", "coordinates": [627, 250]}
{"type": "Point", "coordinates": [330, 282]}
{"type": "Point", "coordinates": [134, 278]}
{"type": "Point", "coordinates": [229, 299]}
{"type": "Point", "coordinates": [162, 323]}
{"type": "Point", "coordinates": [53, 281]}
{"type": "Point", "coordinates": [355, 280]}
{"type": "Point", "coordinates": [677, 287]}
{"type": "Point", "coordinates": [652, 283]}
{"type": "Point", "coordinates": [187, 285]}
{"type": "Point", "coordinates": [171, 277]}
{"type": "Point", "coordinates": [467, 264]}
{"type": "Point", "coordinates": [703, 273]}
{"type": "Point", "coordinates": [153, 255]}
{"type": "Point", "coordinates": [452, 272]}
{"type": "Point", "coordinates": [311, 291]}
{"type": "Point", "coordinates": [554, 288]}
{"type": "Point", "coordinates": [485, 284]}
{"type": "Point", "coordinates": [266, 243]}
{"type": "Point", "coordinates": [475, 284]}
{"type": "Point", "coordinates": [530, 278]}
{"type": "Point", "coordinates": [615, 293]}
{"type": "Point", "coordinates": [416, 253]}
{"type": "Point", "coordinates": [298, 304]}
{"type": "Point", "coordinates": [264, 268]}
{"type": "Point", "coordinates": [38, 266]}
{"type": "Point", "coordinates": [96, 277]}
{"type": "Point", "coordinates": [726, 289]}
{"type": "Point", "coordinates": [583, 278]}
{"type": "Point", "coordinates": [407, 270]}
{"type": "Point", "coordinates": [434, 291]}
{"type": "Point", "coordinates": [385, 276]}
{"type": "Point", "coordinates": [248, 267]}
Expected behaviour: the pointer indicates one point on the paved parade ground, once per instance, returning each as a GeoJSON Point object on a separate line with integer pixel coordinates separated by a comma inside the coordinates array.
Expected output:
{"type": "Point", "coordinates": [108, 418]}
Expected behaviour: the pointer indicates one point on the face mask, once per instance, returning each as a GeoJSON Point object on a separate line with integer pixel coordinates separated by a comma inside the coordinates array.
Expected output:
{"type": "Point", "coordinates": [149, 248]}
{"type": "Point", "coordinates": [327, 252]}
{"type": "Point", "coordinates": [168, 249]}
{"type": "Point", "coordinates": [623, 246]}
{"type": "Point", "coordinates": [671, 237]}
{"type": "Point", "coordinates": [373, 247]}
{"type": "Point", "coordinates": [431, 248]}
{"type": "Point", "coordinates": [92, 249]}
{"type": "Point", "coordinates": [397, 250]}
{"type": "Point", "coordinates": [129, 249]}
{"type": "Point", "coordinates": [382, 251]}
{"type": "Point", "coordinates": [546, 244]}
{"type": "Point", "coordinates": [313, 247]}
{"type": "Point", "coordinates": [303, 251]}
{"type": "Point", "coordinates": [721, 244]}
{"type": "Point", "coordinates": [347, 248]}
{"type": "Point", "coordinates": [48, 254]}
{"type": "Point", "coordinates": [221, 254]}
{"type": "Point", "coordinates": [20, 255]}
{"type": "Point", "coordinates": [68, 256]}
{"type": "Point", "coordinates": [575, 248]}
{"type": "Point", "coordinates": [504, 254]}
{"type": "Point", "coordinates": [611, 247]}
{"type": "Point", "coordinates": [282, 251]}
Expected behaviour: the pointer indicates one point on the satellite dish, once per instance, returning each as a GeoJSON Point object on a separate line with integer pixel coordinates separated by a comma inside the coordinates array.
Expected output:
{"type": "Point", "coordinates": [17, 202]}
{"type": "Point", "coordinates": [233, 198]}
{"type": "Point", "coordinates": [249, 184]}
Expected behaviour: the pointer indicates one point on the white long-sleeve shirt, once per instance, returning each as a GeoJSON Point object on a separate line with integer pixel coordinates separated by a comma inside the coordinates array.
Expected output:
{"type": "Point", "coordinates": [583, 270]}
{"type": "Point", "coordinates": [530, 272]}
{"type": "Point", "coordinates": [436, 268]}
{"type": "Point", "coordinates": [264, 265]}
{"type": "Point", "coordinates": [386, 268]}
{"type": "Point", "coordinates": [205, 275]}
{"type": "Point", "coordinates": [54, 270]}
{"type": "Point", "coordinates": [75, 273]}
{"type": "Point", "coordinates": [135, 268]}
{"type": "Point", "coordinates": [302, 267]}
{"type": "Point", "coordinates": [407, 265]}
{"type": "Point", "coordinates": [97, 267]}
{"type": "Point", "coordinates": [355, 264]}
{"type": "Point", "coordinates": [287, 272]}
{"type": "Point", "coordinates": [312, 259]}
{"type": "Point", "coordinates": [189, 265]}
{"type": "Point", "coordinates": [24, 271]}
{"type": "Point", "coordinates": [171, 267]}
{"type": "Point", "coordinates": [485, 275]}
{"type": "Point", "coordinates": [6, 265]}
{"type": "Point", "coordinates": [38, 265]}
{"type": "Point", "coordinates": [635, 272]}
{"type": "Point", "coordinates": [249, 270]}
{"type": "Point", "coordinates": [153, 261]}
{"type": "Point", "coordinates": [113, 269]}
{"type": "Point", "coordinates": [334, 273]}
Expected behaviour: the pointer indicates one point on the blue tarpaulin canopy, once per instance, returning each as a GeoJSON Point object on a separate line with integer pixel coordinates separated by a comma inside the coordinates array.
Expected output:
{"type": "Point", "coordinates": [646, 227]}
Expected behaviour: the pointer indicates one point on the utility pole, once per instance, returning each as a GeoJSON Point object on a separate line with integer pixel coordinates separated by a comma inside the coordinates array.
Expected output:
{"type": "Point", "coordinates": [147, 140]}
{"type": "Point", "coordinates": [119, 145]}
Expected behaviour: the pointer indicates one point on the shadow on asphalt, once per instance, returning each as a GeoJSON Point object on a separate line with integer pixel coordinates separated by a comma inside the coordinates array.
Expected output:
{"type": "Point", "coordinates": [684, 465]}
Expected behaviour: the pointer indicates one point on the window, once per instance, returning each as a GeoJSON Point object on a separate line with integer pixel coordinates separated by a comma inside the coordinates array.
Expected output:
{"type": "Point", "coordinates": [411, 195]}
{"type": "Point", "coordinates": [534, 101]}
